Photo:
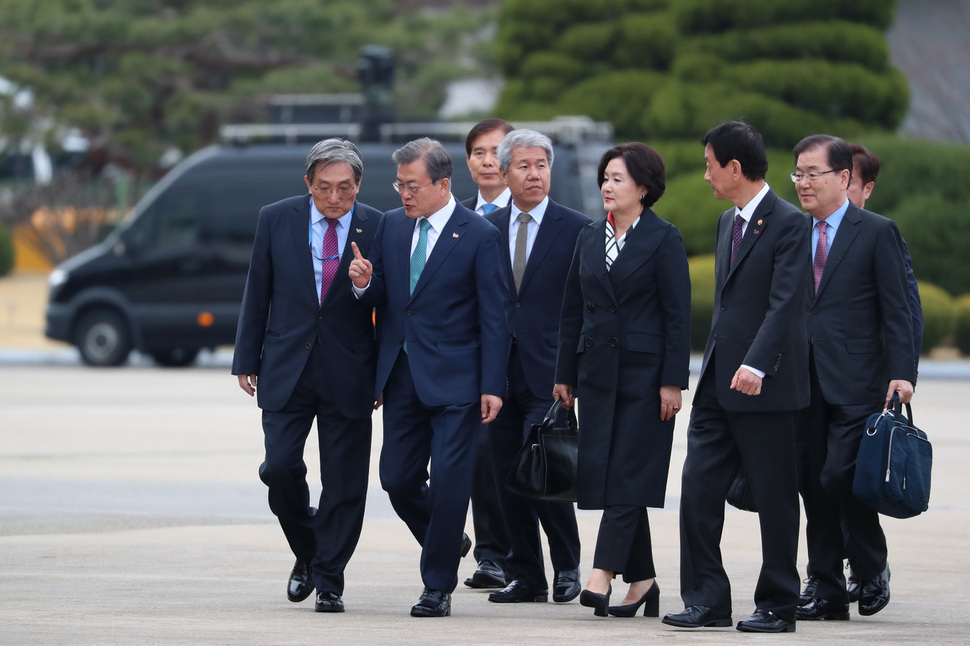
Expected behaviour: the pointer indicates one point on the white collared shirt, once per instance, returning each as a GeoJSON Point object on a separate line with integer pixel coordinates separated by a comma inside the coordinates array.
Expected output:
{"type": "Point", "coordinates": [502, 200]}
{"type": "Point", "coordinates": [438, 220]}
{"type": "Point", "coordinates": [537, 214]}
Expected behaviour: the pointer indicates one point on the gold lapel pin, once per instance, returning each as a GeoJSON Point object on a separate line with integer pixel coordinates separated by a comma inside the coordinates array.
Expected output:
{"type": "Point", "coordinates": [359, 230]}
{"type": "Point", "coordinates": [760, 222]}
{"type": "Point", "coordinates": [454, 235]}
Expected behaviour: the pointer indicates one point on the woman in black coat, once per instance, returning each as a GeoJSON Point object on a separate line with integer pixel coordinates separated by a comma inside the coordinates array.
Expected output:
{"type": "Point", "coordinates": [624, 346]}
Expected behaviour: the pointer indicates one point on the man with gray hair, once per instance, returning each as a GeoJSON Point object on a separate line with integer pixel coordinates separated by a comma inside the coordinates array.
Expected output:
{"type": "Point", "coordinates": [435, 275]}
{"type": "Point", "coordinates": [309, 344]}
{"type": "Point", "coordinates": [538, 238]}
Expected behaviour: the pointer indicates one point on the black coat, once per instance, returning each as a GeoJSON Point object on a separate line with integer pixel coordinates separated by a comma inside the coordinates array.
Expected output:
{"type": "Point", "coordinates": [623, 335]}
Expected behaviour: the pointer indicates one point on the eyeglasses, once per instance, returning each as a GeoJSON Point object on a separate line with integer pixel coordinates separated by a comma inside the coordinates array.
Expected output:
{"type": "Point", "coordinates": [398, 187]}
{"type": "Point", "coordinates": [813, 176]}
{"type": "Point", "coordinates": [341, 191]}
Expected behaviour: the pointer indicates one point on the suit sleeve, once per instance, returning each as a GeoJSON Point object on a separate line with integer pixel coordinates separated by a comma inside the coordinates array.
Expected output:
{"type": "Point", "coordinates": [571, 321]}
{"type": "Point", "coordinates": [915, 306]}
{"type": "Point", "coordinates": [786, 298]}
{"type": "Point", "coordinates": [674, 282]}
{"type": "Point", "coordinates": [891, 285]}
{"type": "Point", "coordinates": [254, 310]}
{"type": "Point", "coordinates": [493, 303]}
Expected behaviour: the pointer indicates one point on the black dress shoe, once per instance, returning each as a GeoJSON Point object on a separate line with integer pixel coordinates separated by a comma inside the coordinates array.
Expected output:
{"type": "Point", "coordinates": [823, 609]}
{"type": "Point", "coordinates": [600, 603]}
{"type": "Point", "coordinates": [809, 592]}
{"type": "Point", "coordinates": [488, 575]}
{"type": "Point", "coordinates": [875, 594]}
{"type": "Point", "coordinates": [566, 586]}
{"type": "Point", "coordinates": [328, 602]}
{"type": "Point", "coordinates": [466, 544]}
{"type": "Point", "coordinates": [518, 592]}
{"type": "Point", "coordinates": [433, 603]}
{"type": "Point", "coordinates": [299, 586]}
{"type": "Point", "coordinates": [650, 602]}
{"type": "Point", "coordinates": [698, 617]}
{"type": "Point", "coordinates": [765, 621]}
{"type": "Point", "coordinates": [852, 584]}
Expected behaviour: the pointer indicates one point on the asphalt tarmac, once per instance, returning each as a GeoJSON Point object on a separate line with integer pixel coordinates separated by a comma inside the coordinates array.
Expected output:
{"type": "Point", "coordinates": [131, 512]}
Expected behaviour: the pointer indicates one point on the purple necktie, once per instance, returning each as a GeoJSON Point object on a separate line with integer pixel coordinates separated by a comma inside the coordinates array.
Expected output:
{"type": "Point", "coordinates": [738, 232]}
{"type": "Point", "coordinates": [821, 253]}
{"type": "Point", "coordinates": [331, 258]}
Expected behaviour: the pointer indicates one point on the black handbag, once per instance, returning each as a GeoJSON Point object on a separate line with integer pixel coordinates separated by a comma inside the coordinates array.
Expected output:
{"type": "Point", "coordinates": [545, 466]}
{"type": "Point", "coordinates": [892, 470]}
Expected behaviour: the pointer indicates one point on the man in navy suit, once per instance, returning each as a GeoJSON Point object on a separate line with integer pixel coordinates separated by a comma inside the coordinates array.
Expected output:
{"type": "Point", "coordinates": [861, 353]}
{"type": "Point", "coordinates": [309, 345]}
{"type": "Point", "coordinates": [491, 536]}
{"type": "Point", "coordinates": [754, 379]}
{"type": "Point", "coordinates": [538, 237]}
{"type": "Point", "coordinates": [435, 275]}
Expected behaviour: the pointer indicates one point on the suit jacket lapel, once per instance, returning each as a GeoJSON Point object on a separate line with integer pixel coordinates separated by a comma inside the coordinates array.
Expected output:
{"type": "Point", "coordinates": [595, 251]}
{"type": "Point", "coordinates": [758, 223]}
{"type": "Point", "coordinates": [447, 240]}
{"type": "Point", "coordinates": [640, 244]}
{"type": "Point", "coordinates": [548, 232]}
{"type": "Point", "coordinates": [503, 216]}
{"type": "Point", "coordinates": [848, 230]}
{"type": "Point", "coordinates": [298, 236]}
{"type": "Point", "coordinates": [354, 235]}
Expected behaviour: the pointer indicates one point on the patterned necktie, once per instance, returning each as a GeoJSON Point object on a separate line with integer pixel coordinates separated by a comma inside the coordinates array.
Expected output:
{"type": "Point", "coordinates": [331, 258]}
{"type": "Point", "coordinates": [736, 238]}
{"type": "Point", "coordinates": [821, 253]}
{"type": "Point", "coordinates": [419, 257]}
{"type": "Point", "coordinates": [612, 246]}
{"type": "Point", "coordinates": [521, 246]}
{"type": "Point", "coordinates": [488, 208]}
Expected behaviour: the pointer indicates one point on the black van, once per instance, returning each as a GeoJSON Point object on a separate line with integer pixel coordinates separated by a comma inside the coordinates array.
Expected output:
{"type": "Point", "coordinates": [169, 281]}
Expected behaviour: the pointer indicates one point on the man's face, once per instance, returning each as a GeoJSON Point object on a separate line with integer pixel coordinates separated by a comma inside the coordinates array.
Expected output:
{"type": "Point", "coordinates": [333, 189]}
{"type": "Point", "coordinates": [483, 160]}
{"type": "Point", "coordinates": [858, 192]}
{"type": "Point", "coordinates": [419, 196]}
{"type": "Point", "coordinates": [720, 179]}
{"type": "Point", "coordinates": [528, 177]}
{"type": "Point", "coordinates": [826, 194]}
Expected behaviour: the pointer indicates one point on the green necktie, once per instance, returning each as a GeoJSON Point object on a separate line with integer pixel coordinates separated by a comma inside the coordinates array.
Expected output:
{"type": "Point", "coordinates": [419, 257]}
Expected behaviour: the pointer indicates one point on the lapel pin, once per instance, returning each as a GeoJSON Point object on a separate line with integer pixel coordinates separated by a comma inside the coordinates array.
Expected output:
{"type": "Point", "coordinates": [359, 230]}
{"type": "Point", "coordinates": [454, 235]}
{"type": "Point", "coordinates": [760, 222]}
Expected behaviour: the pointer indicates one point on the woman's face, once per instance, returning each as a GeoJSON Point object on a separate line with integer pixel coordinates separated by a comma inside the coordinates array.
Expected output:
{"type": "Point", "coordinates": [621, 195]}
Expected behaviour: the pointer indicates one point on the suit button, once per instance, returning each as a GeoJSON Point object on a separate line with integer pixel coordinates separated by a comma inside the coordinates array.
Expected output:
{"type": "Point", "coordinates": [309, 345]}
{"type": "Point", "coordinates": [590, 307]}
{"type": "Point", "coordinates": [588, 343]}
{"type": "Point", "coordinates": [613, 308]}
{"type": "Point", "coordinates": [407, 313]}
{"type": "Point", "coordinates": [518, 305]}
{"type": "Point", "coordinates": [613, 341]}
{"type": "Point", "coordinates": [319, 316]}
{"type": "Point", "coordinates": [723, 307]}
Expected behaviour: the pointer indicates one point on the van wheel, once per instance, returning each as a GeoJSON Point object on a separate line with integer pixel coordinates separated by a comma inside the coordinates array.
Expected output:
{"type": "Point", "coordinates": [175, 357]}
{"type": "Point", "coordinates": [103, 338]}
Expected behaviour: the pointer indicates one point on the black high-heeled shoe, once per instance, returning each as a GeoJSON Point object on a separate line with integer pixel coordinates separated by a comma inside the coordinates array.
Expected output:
{"type": "Point", "coordinates": [650, 602]}
{"type": "Point", "coordinates": [598, 602]}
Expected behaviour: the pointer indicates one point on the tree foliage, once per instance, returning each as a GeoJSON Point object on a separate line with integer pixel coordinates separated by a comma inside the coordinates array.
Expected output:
{"type": "Point", "coordinates": [787, 67]}
{"type": "Point", "coordinates": [141, 76]}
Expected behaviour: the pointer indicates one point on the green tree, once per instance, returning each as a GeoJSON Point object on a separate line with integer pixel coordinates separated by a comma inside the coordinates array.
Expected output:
{"type": "Point", "coordinates": [141, 76]}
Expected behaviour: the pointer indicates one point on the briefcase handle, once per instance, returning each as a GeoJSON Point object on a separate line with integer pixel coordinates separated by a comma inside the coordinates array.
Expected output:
{"type": "Point", "coordinates": [897, 407]}
{"type": "Point", "coordinates": [549, 421]}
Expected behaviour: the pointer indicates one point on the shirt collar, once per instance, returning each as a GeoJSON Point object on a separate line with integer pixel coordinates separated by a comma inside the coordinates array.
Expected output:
{"type": "Point", "coordinates": [537, 213]}
{"type": "Point", "coordinates": [316, 216]}
{"type": "Point", "coordinates": [440, 218]}
{"type": "Point", "coordinates": [502, 200]}
{"type": "Point", "coordinates": [752, 206]}
{"type": "Point", "coordinates": [835, 219]}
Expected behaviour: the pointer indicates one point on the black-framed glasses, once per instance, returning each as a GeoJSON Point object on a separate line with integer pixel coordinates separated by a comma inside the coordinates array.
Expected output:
{"type": "Point", "coordinates": [399, 187]}
{"type": "Point", "coordinates": [342, 191]}
{"type": "Point", "coordinates": [812, 176]}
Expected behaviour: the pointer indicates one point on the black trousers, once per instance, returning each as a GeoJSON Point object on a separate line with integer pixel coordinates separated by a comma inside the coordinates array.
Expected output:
{"type": "Point", "coordinates": [520, 410]}
{"type": "Point", "coordinates": [328, 538]}
{"type": "Point", "coordinates": [718, 443]}
{"type": "Point", "coordinates": [828, 442]}
{"type": "Point", "coordinates": [491, 538]}
{"type": "Point", "coordinates": [623, 543]}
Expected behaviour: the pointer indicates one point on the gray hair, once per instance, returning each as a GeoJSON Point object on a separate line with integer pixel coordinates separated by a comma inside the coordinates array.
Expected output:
{"type": "Point", "coordinates": [334, 151]}
{"type": "Point", "coordinates": [522, 138]}
{"type": "Point", "coordinates": [437, 159]}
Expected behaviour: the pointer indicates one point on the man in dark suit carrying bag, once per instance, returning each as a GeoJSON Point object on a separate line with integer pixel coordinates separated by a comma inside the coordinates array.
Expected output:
{"type": "Point", "coordinates": [754, 379]}
{"type": "Point", "coordinates": [309, 345]}
{"type": "Point", "coordinates": [538, 238]}
{"type": "Point", "coordinates": [861, 352]}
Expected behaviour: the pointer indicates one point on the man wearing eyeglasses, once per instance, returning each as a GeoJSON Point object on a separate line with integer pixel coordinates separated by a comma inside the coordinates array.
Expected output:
{"type": "Point", "coordinates": [435, 275]}
{"type": "Point", "coordinates": [305, 346]}
{"type": "Point", "coordinates": [861, 354]}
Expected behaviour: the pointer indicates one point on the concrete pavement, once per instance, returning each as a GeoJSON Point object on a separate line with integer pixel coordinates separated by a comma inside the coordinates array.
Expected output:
{"type": "Point", "coordinates": [130, 512]}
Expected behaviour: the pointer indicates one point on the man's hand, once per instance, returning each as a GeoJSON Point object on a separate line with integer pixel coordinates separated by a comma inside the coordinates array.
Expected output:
{"type": "Point", "coordinates": [565, 393]}
{"type": "Point", "coordinates": [360, 268]}
{"type": "Point", "coordinates": [746, 382]}
{"type": "Point", "coordinates": [670, 402]}
{"type": "Point", "coordinates": [491, 405]}
{"type": "Point", "coordinates": [901, 386]}
{"type": "Point", "coordinates": [247, 383]}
